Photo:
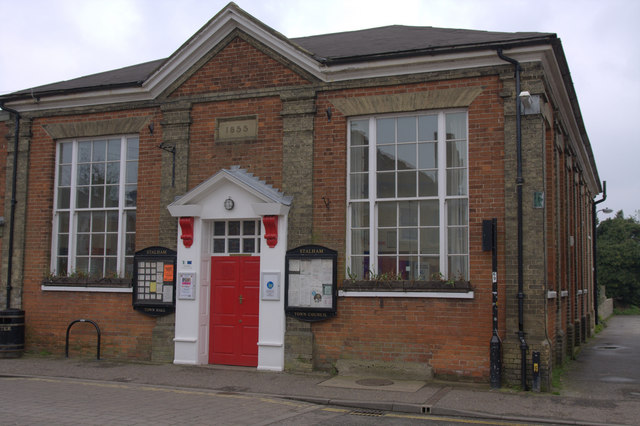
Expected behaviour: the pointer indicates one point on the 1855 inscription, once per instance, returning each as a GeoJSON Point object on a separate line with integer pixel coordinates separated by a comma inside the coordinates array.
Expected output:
{"type": "Point", "coordinates": [237, 128]}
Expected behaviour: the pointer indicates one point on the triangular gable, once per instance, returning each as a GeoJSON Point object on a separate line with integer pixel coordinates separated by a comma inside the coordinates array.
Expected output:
{"type": "Point", "coordinates": [229, 19]}
{"type": "Point", "coordinates": [269, 200]}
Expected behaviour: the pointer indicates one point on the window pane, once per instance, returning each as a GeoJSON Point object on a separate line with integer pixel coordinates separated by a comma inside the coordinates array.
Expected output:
{"type": "Point", "coordinates": [248, 245]}
{"type": "Point", "coordinates": [386, 185]}
{"type": "Point", "coordinates": [359, 266]}
{"type": "Point", "coordinates": [82, 248]}
{"type": "Point", "coordinates": [408, 243]}
{"type": "Point", "coordinates": [234, 245]}
{"type": "Point", "coordinates": [130, 221]}
{"type": "Point", "coordinates": [407, 157]}
{"type": "Point", "coordinates": [458, 269]}
{"type": "Point", "coordinates": [406, 129]}
{"type": "Point", "coordinates": [456, 125]}
{"type": "Point", "coordinates": [407, 184]}
{"type": "Point", "coordinates": [113, 150]}
{"type": "Point", "coordinates": [96, 266]}
{"type": "Point", "coordinates": [97, 221]}
{"type": "Point", "coordinates": [218, 245]}
{"type": "Point", "coordinates": [97, 196]}
{"type": "Point", "coordinates": [132, 148]}
{"type": "Point", "coordinates": [359, 215]}
{"type": "Point", "coordinates": [429, 213]}
{"type": "Point", "coordinates": [457, 212]}
{"type": "Point", "coordinates": [457, 154]}
{"type": "Point", "coordinates": [457, 182]}
{"type": "Point", "coordinates": [387, 241]}
{"type": "Point", "coordinates": [63, 222]}
{"type": "Point", "coordinates": [64, 198]}
{"type": "Point", "coordinates": [82, 197]}
{"type": "Point", "coordinates": [84, 221]}
{"type": "Point", "coordinates": [408, 267]}
{"type": "Point", "coordinates": [112, 196]}
{"type": "Point", "coordinates": [130, 195]}
{"type": "Point", "coordinates": [387, 214]}
{"type": "Point", "coordinates": [249, 227]}
{"type": "Point", "coordinates": [113, 173]}
{"type": "Point", "coordinates": [360, 132]}
{"type": "Point", "coordinates": [359, 241]}
{"type": "Point", "coordinates": [130, 244]}
{"type": "Point", "coordinates": [112, 221]}
{"type": "Point", "coordinates": [99, 151]}
{"type": "Point", "coordinates": [219, 228]}
{"type": "Point", "coordinates": [82, 264]}
{"type": "Point", "coordinates": [84, 174]}
{"type": "Point", "coordinates": [64, 175]}
{"type": "Point", "coordinates": [429, 268]}
{"type": "Point", "coordinates": [97, 245]}
{"type": "Point", "coordinates": [408, 213]}
{"type": "Point", "coordinates": [428, 183]}
{"type": "Point", "coordinates": [386, 157]}
{"type": "Point", "coordinates": [428, 155]}
{"type": "Point", "coordinates": [428, 128]}
{"type": "Point", "coordinates": [429, 241]}
{"type": "Point", "coordinates": [132, 172]}
{"type": "Point", "coordinates": [359, 187]}
{"type": "Point", "coordinates": [387, 265]}
{"type": "Point", "coordinates": [63, 245]}
{"type": "Point", "coordinates": [234, 227]}
{"type": "Point", "coordinates": [111, 266]}
{"type": "Point", "coordinates": [66, 152]}
{"type": "Point", "coordinates": [97, 174]}
{"type": "Point", "coordinates": [386, 130]}
{"type": "Point", "coordinates": [112, 245]}
{"type": "Point", "coordinates": [359, 159]}
{"type": "Point", "coordinates": [84, 152]}
{"type": "Point", "coordinates": [457, 240]}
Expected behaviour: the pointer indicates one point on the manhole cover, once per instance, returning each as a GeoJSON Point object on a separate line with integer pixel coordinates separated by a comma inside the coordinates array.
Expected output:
{"type": "Point", "coordinates": [374, 382]}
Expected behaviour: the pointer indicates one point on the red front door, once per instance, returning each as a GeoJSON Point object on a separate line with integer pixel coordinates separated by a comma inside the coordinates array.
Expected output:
{"type": "Point", "coordinates": [233, 332]}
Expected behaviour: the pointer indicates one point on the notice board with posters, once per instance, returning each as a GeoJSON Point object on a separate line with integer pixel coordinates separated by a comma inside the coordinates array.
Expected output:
{"type": "Point", "coordinates": [311, 283]}
{"type": "Point", "coordinates": [154, 281]}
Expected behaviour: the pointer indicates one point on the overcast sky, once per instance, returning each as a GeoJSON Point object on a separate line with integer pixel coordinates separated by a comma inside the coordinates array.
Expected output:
{"type": "Point", "coordinates": [45, 41]}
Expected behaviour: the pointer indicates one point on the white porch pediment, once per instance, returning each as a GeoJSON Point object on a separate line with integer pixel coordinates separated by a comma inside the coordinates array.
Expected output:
{"type": "Point", "coordinates": [251, 196]}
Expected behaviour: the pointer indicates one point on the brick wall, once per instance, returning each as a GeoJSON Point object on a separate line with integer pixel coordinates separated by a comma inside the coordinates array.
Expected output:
{"type": "Point", "coordinates": [452, 336]}
{"type": "Point", "coordinates": [126, 333]}
{"type": "Point", "coordinates": [238, 66]}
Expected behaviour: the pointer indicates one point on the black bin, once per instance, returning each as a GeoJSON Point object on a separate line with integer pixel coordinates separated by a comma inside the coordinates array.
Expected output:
{"type": "Point", "coordinates": [11, 333]}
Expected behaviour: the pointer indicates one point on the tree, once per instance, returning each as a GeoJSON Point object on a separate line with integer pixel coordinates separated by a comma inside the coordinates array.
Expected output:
{"type": "Point", "coordinates": [618, 258]}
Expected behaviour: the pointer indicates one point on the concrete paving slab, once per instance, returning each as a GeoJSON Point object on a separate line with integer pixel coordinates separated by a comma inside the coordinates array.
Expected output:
{"type": "Point", "coordinates": [360, 382]}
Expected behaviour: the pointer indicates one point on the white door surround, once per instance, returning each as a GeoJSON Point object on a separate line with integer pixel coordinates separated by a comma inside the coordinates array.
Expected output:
{"type": "Point", "coordinates": [251, 199]}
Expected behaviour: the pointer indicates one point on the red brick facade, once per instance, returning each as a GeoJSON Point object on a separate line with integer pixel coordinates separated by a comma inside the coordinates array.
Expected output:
{"type": "Point", "coordinates": [242, 78]}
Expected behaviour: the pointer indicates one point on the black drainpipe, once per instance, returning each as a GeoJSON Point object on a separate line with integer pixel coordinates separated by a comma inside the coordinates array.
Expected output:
{"type": "Point", "coordinates": [595, 248]}
{"type": "Point", "coordinates": [13, 200]}
{"type": "Point", "coordinates": [519, 183]}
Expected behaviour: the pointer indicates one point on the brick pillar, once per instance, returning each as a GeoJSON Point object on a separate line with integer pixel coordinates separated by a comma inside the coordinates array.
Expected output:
{"type": "Point", "coordinates": [298, 111]}
{"type": "Point", "coordinates": [175, 137]}
{"type": "Point", "coordinates": [534, 169]}
{"type": "Point", "coordinates": [20, 215]}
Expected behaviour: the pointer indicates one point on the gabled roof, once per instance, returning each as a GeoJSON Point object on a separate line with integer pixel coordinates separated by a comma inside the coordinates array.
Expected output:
{"type": "Point", "coordinates": [313, 53]}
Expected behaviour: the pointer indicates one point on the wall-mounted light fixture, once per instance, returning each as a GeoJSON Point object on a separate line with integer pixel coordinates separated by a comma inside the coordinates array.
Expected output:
{"type": "Point", "coordinates": [329, 114]}
{"type": "Point", "coordinates": [228, 204]}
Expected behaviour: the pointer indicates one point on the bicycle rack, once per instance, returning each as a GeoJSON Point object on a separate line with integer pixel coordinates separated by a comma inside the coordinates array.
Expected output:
{"type": "Point", "coordinates": [66, 348]}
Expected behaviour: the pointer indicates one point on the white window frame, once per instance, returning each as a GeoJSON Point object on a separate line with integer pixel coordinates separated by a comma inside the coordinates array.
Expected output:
{"type": "Point", "coordinates": [374, 201]}
{"type": "Point", "coordinates": [256, 236]}
{"type": "Point", "coordinates": [73, 210]}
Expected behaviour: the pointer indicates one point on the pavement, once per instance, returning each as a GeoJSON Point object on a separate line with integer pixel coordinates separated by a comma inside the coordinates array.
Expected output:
{"type": "Point", "coordinates": [602, 386]}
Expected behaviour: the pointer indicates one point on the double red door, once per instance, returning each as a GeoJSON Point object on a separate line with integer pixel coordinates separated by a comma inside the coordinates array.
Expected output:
{"type": "Point", "coordinates": [233, 332]}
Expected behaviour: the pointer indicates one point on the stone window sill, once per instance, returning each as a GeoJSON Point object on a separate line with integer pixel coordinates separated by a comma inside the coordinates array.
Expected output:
{"type": "Point", "coordinates": [91, 285]}
{"type": "Point", "coordinates": [411, 289]}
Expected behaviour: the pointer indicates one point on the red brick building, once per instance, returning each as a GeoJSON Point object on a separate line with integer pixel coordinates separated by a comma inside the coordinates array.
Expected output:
{"type": "Point", "coordinates": [389, 146]}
